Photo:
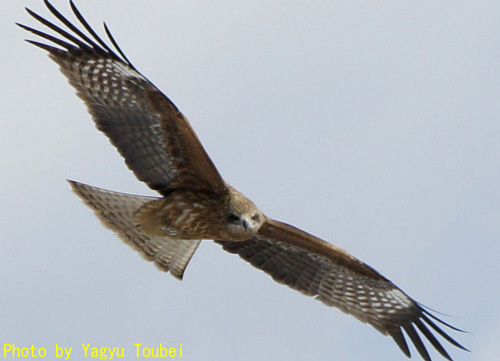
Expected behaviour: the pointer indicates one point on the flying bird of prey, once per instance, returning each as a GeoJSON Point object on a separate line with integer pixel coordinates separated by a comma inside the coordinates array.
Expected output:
{"type": "Point", "coordinates": [162, 150]}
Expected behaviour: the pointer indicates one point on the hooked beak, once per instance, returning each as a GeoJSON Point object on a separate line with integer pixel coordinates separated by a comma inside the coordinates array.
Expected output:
{"type": "Point", "coordinates": [245, 224]}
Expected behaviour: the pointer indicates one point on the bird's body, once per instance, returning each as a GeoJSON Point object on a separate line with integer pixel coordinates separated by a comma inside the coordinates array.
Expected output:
{"type": "Point", "coordinates": [161, 148]}
{"type": "Point", "coordinates": [184, 214]}
{"type": "Point", "coordinates": [198, 214]}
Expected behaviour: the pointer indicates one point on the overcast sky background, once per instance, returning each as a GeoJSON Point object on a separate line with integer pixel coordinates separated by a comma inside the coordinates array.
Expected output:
{"type": "Point", "coordinates": [374, 126]}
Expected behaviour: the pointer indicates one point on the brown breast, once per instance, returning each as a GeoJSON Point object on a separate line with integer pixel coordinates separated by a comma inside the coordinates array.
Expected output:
{"type": "Point", "coordinates": [184, 215]}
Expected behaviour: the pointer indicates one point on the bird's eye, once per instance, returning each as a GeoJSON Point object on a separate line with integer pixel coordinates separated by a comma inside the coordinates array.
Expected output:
{"type": "Point", "coordinates": [256, 218]}
{"type": "Point", "coordinates": [233, 218]}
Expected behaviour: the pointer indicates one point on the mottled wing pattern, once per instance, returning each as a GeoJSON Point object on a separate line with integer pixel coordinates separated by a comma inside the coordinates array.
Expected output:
{"type": "Point", "coordinates": [117, 212]}
{"type": "Point", "coordinates": [148, 130]}
{"type": "Point", "coordinates": [317, 268]}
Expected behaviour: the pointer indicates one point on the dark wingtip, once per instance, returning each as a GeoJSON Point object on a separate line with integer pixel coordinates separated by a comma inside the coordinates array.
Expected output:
{"type": "Point", "coordinates": [117, 47]}
{"type": "Point", "coordinates": [417, 341]}
{"type": "Point", "coordinates": [432, 339]}
{"type": "Point", "coordinates": [31, 12]}
{"type": "Point", "coordinates": [425, 308]}
{"type": "Point", "coordinates": [422, 322]}
{"type": "Point", "coordinates": [440, 331]}
{"type": "Point", "coordinates": [22, 26]}
{"type": "Point", "coordinates": [41, 45]}
{"type": "Point", "coordinates": [398, 337]}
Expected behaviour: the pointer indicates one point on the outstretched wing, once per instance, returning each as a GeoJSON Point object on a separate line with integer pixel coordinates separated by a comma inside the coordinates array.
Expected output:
{"type": "Point", "coordinates": [317, 268]}
{"type": "Point", "coordinates": [148, 130]}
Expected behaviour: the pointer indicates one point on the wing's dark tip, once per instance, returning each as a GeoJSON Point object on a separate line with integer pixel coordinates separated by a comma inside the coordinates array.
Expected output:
{"type": "Point", "coordinates": [74, 39]}
{"type": "Point", "coordinates": [43, 46]}
{"type": "Point", "coordinates": [425, 308]}
{"type": "Point", "coordinates": [115, 44]}
{"type": "Point", "coordinates": [440, 331]}
{"type": "Point", "coordinates": [422, 320]}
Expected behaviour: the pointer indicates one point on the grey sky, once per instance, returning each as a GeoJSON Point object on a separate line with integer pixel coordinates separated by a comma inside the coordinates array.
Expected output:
{"type": "Point", "coordinates": [373, 126]}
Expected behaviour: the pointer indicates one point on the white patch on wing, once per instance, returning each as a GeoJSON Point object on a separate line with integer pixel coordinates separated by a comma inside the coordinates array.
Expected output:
{"type": "Point", "coordinates": [403, 301]}
{"type": "Point", "coordinates": [125, 70]}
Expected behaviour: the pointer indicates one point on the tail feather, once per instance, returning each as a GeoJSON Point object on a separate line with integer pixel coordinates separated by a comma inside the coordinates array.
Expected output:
{"type": "Point", "coordinates": [117, 212]}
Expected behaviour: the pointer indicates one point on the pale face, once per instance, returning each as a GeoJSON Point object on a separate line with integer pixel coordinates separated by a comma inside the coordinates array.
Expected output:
{"type": "Point", "coordinates": [243, 217]}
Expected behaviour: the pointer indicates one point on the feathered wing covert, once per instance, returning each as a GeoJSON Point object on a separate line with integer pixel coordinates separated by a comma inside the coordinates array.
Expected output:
{"type": "Point", "coordinates": [163, 151]}
{"type": "Point", "coordinates": [317, 268]}
{"type": "Point", "coordinates": [148, 130]}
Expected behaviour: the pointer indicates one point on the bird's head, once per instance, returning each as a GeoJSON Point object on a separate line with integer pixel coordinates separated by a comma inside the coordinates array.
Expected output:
{"type": "Point", "coordinates": [243, 218]}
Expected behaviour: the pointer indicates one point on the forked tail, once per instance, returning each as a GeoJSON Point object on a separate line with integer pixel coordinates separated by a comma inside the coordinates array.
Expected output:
{"type": "Point", "coordinates": [117, 212]}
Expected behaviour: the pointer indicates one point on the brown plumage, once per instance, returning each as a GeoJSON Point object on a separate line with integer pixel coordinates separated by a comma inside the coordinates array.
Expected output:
{"type": "Point", "coordinates": [161, 148]}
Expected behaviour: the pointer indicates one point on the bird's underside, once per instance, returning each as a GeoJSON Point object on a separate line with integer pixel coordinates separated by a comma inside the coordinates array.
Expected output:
{"type": "Point", "coordinates": [160, 147]}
